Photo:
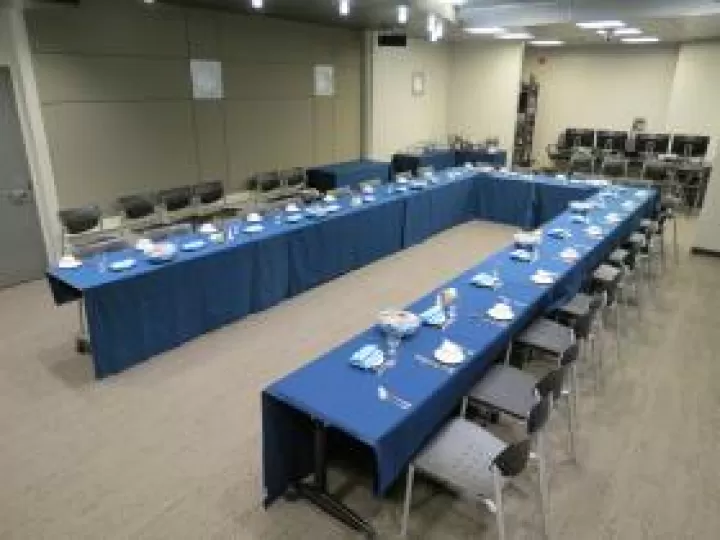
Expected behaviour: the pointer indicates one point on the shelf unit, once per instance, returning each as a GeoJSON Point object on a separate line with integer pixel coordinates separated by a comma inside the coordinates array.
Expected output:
{"type": "Point", "coordinates": [525, 125]}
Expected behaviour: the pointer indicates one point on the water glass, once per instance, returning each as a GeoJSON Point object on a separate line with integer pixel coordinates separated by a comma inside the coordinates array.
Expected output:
{"type": "Point", "coordinates": [392, 341]}
{"type": "Point", "coordinates": [102, 262]}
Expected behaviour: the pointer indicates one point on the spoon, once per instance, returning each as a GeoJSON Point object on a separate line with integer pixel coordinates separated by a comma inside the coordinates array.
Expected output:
{"type": "Point", "coordinates": [385, 395]}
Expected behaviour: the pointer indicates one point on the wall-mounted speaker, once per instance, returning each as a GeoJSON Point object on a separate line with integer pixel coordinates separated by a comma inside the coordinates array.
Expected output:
{"type": "Point", "coordinates": [392, 40]}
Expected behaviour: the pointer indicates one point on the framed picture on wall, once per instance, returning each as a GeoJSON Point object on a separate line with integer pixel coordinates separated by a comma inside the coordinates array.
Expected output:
{"type": "Point", "coordinates": [207, 80]}
{"type": "Point", "coordinates": [418, 83]}
{"type": "Point", "coordinates": [324, 80]}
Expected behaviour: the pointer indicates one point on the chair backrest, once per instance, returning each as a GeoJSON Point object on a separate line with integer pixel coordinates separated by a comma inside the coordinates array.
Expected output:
{"type": "Point", "coordinates": [264, 182]}
{"type": "Point", "coordinates": [209, 192]}
{"type": "Point", "coordinates": [538, 416]}
{"type": "Point", "coordinates": [570, 355]}
{"type": "Point", "coordinates": [295, 177]}
{"type": "Point", "coordinates": [107, 245]}
{"type": "Point", "coordinates": [551, 384]}
{"type": "Point", "coordinates": [614, 167]}
{"type": "Point", "coordinates": [176, 198]}
{"type": "Point", "coordinates": [163, 233]}
{"type": "Point", "coordinates": [136, 206]}
{"type": "Point", "coordinates": [80, 220]}
{"type": "Point", "coordinates": [512, 461]}
{"type": "Point", "coordinates": [655, 170]}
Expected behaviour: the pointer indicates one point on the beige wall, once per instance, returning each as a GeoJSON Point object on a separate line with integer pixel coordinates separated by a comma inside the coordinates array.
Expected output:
{"type": "Point", "coordinates": [398, 118]}
{"type": "Point", "coordinates": [599, 87]}
{"type": "Point", "coordinates": [693, 102]}
{"type": "Point", "coordinates": [116, 97]}
{"type": "Point", "coordinates": [483, 90]}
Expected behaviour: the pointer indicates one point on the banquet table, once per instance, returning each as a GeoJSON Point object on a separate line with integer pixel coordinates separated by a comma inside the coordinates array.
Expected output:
{"type": "Point", "coordinates": [330, 394]}
{"type": "Point", "coordinates": [141, 312]}
{"type": "Point", "coordinates": [348, 174]}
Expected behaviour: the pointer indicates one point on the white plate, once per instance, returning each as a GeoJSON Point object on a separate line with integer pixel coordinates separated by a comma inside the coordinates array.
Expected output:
{"type": "Point", "coordinates": [501, 314]}
{"type": "Point", "coordinates": [193, 245]}
{"type": "Point", "coordinates": [369, 198]}
{"type": "Point", "coordinates": [560, 234]}
{"type": "Point", "coordinates": [254, 218]}
{"type": "Point", "coordinates": [521, 255]}
{"type": "Point", "coordinates": [613, 218]}
{"type": "Point", "coordinates": [333, 207]}
{"type": "Point", "coordinates": [484, 280]}
{"type": "Point", "coordinates": [207, 228]}
{"type": "Point", "coordinates": [542, 279]}
{"type": "Point", "coordinates": [119, 266]}
{"type": "Point", "coordinates": [294, 218]}
{"type": "Point", "coordinates": [68, 263]}
{"type": "Point", "coordinates": [253, 228]}
{"type": "Point", "coordinates": [451, 355]}
{"type": "Point", "coordinates": [569, 255]}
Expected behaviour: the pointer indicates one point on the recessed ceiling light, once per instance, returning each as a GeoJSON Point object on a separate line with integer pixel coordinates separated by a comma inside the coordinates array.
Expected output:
{"type": "Point", "coordinates": [547, 42]}
{"type": "Point", "coordinates": [627, 32]}
{"type": "Point", "coordinates": [403, 14]}
{"type": "Point", "coordinates": [148, 1]}
{"type": "Point", "coordinates": [515, 35]}
{"type": "Point", "coordinates": [344, 7]}
{"type": "Point", "coordinates": [644, 39]}
{"type": "Point", "coordinates": [257, 4]}
{"type": "Point", "coordinates": [599, 25]}
{"type": "Point", "coordinates": [484, 30]}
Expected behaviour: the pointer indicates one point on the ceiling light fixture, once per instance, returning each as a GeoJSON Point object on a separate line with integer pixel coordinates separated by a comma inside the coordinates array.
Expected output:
{"type": "Point", "coordinates": [515, 35]}
{"type": "Point", "coordinates": [484, 31]}
{"type": "Point", "coordinates": [547, 42]}
{"type": "Point", "coordinates": [601, 25]}
{"type": "Point", "coordinates": [403, 13]}
{"type": "Point", "coordinates": [644, 39]}
{"type": "Point", "coordinates": [257, 4]}
{"type": "Point", "coordinates": [344, 7]}
{"type": "Point", "coordinates": [627, 32]}
{"type": "Point", "coordinates": [148, 1]}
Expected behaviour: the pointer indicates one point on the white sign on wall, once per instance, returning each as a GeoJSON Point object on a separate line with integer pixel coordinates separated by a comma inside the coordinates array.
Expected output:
{"type": "Point", "coordinates": [206, 79]}
{"type": "Point", "coordinates": [324, 80]}
{"type": "Point", "coordinates": [418, 83]}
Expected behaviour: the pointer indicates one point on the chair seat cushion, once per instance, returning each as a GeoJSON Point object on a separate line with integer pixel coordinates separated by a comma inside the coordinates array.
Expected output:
{"type": "Point", "coordinates": [461, 456]}
{"type": "Point", "coordinates": [548, 336]}
{"type": "Point", "coordinates": [508, 389]}
{"type": "Point", "coordinates": [607, 276]}
{"type": "Point", "coordinates": [619, 257]}
{"type": "Point", "coordinates": [578, 306]}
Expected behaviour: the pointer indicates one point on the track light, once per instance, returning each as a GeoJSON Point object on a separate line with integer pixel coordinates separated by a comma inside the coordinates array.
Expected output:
{"type": "Point", "coordinates": [344, 7]}
{"type": "Point", "coordinates": [257, 4]}
{"type": "Point", "coordinates": [403, 14]}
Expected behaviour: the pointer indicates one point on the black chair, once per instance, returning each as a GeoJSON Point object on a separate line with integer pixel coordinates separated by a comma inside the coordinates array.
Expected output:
{"type": "Point", "coordinates": [177, 204]}
{"type": "Point", "coordinates": [296, 178]}
{"type": "Point", "coordinates": [138, 211]}
{"type": "Point", "coordinates": [168, 231]}
{"type": "Point", "coordinates": [80, 220]}
{"type": "Point", "coordinates": [264, 182]}
{"type": "Point", "coordinates": [614, 167]}
{"type": "Point", "coordinates": [210, 199]}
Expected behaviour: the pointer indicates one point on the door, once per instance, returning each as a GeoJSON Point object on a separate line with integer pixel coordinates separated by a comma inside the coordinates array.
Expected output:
{"type": "Point", "coordinates": [22, 251]}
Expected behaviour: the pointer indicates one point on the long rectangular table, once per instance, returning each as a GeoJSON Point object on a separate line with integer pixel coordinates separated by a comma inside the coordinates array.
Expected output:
{"type": "Point", "coordinates": [496, 158]}
{"type": "Point", "coordinates": [348, 174]}
{"type": "Point", "coordinates": [139, 313]}
{"type": "Point", "coordinates": [329, 393]}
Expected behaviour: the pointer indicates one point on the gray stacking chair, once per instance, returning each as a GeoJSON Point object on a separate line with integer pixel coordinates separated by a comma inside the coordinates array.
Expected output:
{"type": "Point", "coordinates": [655, 171]}
{"type": "Point", "coordinates": [210, 199]}
{"type": "Point", "coordinates": [581, 313]}
{"type": "Point", "coordinates": [614, 167]}
{"type": "Point", "coordinates": [80, 225]}
{"type": "Point", "coordinates": [468, 459]}
{"type": "Point", "coordinates": [138, 212]}
{"type": "Point", "coordinates": [177, 204]}
{"type": "Point", "coordinates": [549, 337]}
{"type": "Point", "coordinates": [626, 259]}
{"type": "Point", "coordinates": [606, 280]}
{"type": "Point", "coordinates": [582, 162]}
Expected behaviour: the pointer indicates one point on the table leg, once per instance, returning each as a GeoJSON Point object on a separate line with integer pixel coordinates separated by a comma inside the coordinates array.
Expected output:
{"type": "Point", "coordinates": [316, 491]}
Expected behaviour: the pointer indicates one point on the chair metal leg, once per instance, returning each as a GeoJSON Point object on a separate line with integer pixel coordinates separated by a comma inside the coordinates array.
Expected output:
{"type": "Point", "coordinates": [499, 507]}
{"type": "Point", "coordinates": [508, 351]}
{"type": "Point", "coordinates": [543, 479]}
{"type": "Point", "coordinates": [676, 247]}
{"type": "Point", "coordinates": [82, 341]}
{"type": "Point", "coordinates": [408, 500]}
{"type": "Point", "coordinates": [464, 407]}
{"type": "Point", "coordinates": [573, 403]}
{"type": "Point", "coordinates": [616, 308]}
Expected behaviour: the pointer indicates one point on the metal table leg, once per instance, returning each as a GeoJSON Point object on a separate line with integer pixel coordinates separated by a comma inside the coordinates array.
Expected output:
{"type": "Point", "coordinates": [316, 491]}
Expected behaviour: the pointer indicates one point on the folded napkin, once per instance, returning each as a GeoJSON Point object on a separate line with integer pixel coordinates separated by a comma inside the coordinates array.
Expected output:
{"type": "Point", "coordinates": [521, 255]}
{"type": "Point", "coordinates": [483, 280]}
{"type": "Point", "coordinates": [367, 357]}
{"type": "Point", "coordinates": [434, 316]}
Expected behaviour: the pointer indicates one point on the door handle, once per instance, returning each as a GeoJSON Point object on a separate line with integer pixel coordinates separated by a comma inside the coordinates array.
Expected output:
{"type": "Point", "coordinates": [18, 196]}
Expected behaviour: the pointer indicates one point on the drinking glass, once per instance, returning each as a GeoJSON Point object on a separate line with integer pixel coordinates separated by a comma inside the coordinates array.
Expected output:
{"type": "Point", "coordinates": [392, 341]}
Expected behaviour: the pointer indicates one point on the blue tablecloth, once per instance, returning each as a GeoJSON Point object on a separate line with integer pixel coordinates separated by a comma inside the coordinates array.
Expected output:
{"type": "Point", "coordinates": [497, 158]}
{"type": "Point", "coordinates": [329, 390]}
{"type": "Point", "coordinates": [440, 206]}
{"type": "Point", "coordinates": [505, 199]}
{"type": "Point", "coordinates": [348, 174]}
